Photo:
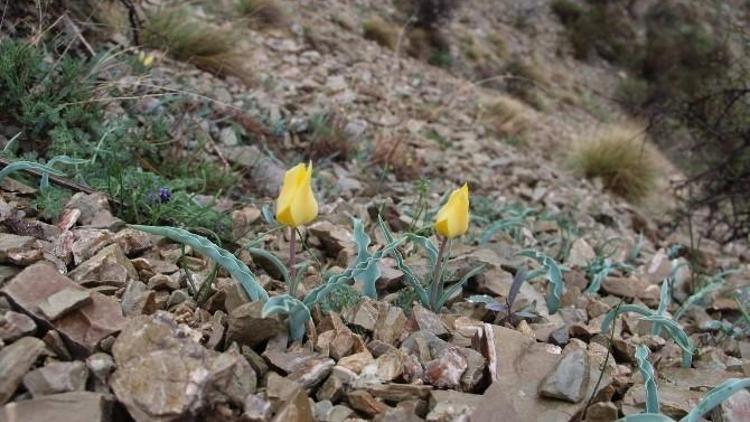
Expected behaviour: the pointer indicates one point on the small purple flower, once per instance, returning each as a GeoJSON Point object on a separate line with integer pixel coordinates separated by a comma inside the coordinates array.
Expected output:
{"type": "Point", "coordinates": [165, 194]}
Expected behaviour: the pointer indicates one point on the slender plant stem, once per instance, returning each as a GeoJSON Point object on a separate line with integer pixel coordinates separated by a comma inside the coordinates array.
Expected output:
{"type": "Point", "coordinates": [604, 365]}
{"type": "Point", "coordinates": [292, 262]}
{"type": "Point", "coordinates": [437, 282]}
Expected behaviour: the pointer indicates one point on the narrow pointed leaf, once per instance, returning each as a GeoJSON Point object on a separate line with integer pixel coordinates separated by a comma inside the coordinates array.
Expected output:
{"type": "Point", "coordinates": [649, 380]}
{"type": "Point", "coordinates": [221, 256]}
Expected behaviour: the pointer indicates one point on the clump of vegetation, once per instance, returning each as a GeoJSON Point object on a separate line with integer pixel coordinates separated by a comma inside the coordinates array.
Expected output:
{"type": "Point", "coordinates": [328, 138]}
{"type": "Point", "coordinates": [395, 155]}
{"type": "Point", "coordinates": [507, 117]}
{"type": "Point", "coordinates": [384, 33]}
{"type": "Point", "coordinates": [262, 13]}
{"type": "Point", "coordinates": [186, 38]}
{"type": "Point", "coordinates": [621, 157]}
{"type": "Point", "coordinates": [50, 104]}
{"type": "Point", "coordinates": [59, 117]}
{"type": "Point", "coordinates": [525, 80]}
{"type": "Point", "coordinates": [428, 13]}
{"type": "Point", "coordinates": [599, 27]}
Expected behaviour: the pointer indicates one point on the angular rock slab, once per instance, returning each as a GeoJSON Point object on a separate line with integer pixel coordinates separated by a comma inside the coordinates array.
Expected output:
{"type": "Point", "coordinates": [76, 406]}
{"type": "Point", "coordinates": [568, 381]}
{"type": "Point", "coordinates": [15, 361]}
{"type": "Point", "coordinates": [522, 365]}
{"type": "Point", "coordinates": [163, 375]}
{"type": "Point", "coordinates": [82, 328]}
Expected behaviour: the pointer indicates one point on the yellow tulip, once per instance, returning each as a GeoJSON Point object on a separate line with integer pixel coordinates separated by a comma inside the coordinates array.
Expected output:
{"type": "Point", "coordinates": [453, 219]}
{"type": "Point", "coordinates": [296, 204]}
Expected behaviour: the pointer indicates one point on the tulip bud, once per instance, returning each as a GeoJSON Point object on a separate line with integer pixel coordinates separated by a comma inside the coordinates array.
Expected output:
{"type": "Point", "coordinates": [296, 204]}
{"type": "Point", "coordinates": [453, 218]}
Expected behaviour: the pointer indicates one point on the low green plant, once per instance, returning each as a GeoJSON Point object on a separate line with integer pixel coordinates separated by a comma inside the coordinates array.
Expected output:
{"type": "Point", "coordinates": [220, 256]}
{"type": "Point", "coordinates": [669, 325]}
{"type": "Point", "coordinates": [713, 398]}
{"type": "Point", "coordinates": [553, 273]}
{"type": "Point", "coordinates": [435, 295]}
{"type": "Point", "coordinates": [299, 310]}
{"type": "Point", "coordinates": [510, 219]}
{"type": "Point", "coordinates": [600, 268]}
{"type": "Point", "coordinates": [506, 309]}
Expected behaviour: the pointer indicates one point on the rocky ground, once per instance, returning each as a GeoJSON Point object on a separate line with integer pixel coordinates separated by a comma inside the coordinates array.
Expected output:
{"type": "Point", "coordinates": [100, 321]}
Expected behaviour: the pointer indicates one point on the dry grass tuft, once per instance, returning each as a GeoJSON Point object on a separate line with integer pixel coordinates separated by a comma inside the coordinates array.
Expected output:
{"type": "Point", "coordinates": [621, 156]}
{"type": "Point", "coordinates": [262, 13]}
{"type": "Point", "coordinates": [382, 32]}
{"type": "Point", "coordinates": [507, 116]}
{"type": "Point", "coordinates": [328, 138]}
{"type": "Point", "coordinates": [395, 155]}
{"type": "Point", "coordinates": [191, 40]}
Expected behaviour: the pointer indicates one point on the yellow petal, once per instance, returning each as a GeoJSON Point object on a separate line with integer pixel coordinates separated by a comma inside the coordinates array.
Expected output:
{"type": "Point", "coordinates": [453, 218]}
{"type": "Point", "coordinates": [148, 60]}
{"type": "Point", "coordinates": [296, 204]}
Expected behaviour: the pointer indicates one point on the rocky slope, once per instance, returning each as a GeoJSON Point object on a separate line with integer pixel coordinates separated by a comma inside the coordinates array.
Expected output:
{"type": "Point", "coordinates": [100, 321]}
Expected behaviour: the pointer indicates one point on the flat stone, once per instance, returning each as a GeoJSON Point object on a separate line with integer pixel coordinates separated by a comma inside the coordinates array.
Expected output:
{"type": "Point", "coordinates": [334, 238]}
{"type": "Point", "coordinates": [288, 361]}
{"type": "Point", "coordinates": [494, 282]}
{"type": "Point", "coordinates": [100, 366]}
{"type": "Point", "coordinates": [632, 287]}
{"type": "Point", "coordinates": [75, 406]}
{"type": "Point", "coordinates": [138, 299]}
{"type": "Point", "coordinates": [333, 387]}
{"type": "Point", "coordinates": [363, 315]}
{"type": "Point", "coordinates": [133, 242]}
{"type": "Point", "coordinates": [357, 361]}
{"type": "Point", "coordinates": [605, 411]}
{"type": "Point", "coordinates": [246, 326]}
{"type": "Point", "coordinates": [390, 324]}
{"type": "Point", "coordinates": [15, 361]}
{"type": "Point", "coordinates": [447, 405]}
{"type": "Point", "coordinates": [312, 372]}
{"type": "Point", "coordinates": [364, 402]}
{"type": "Point", "coordinates": [18, 250]}
{"type": "Point", "coordinates": [109, 264]}
{"type": "Point", "coordinates": [86, 242]}
{"type": "Point", "coordinates": [164, 374]}
{"type": "Point", "coordinates": [257, 409]}
{"type": "Point", "coordinates": [56, 378]}
{"type": "Point", "coordinates": [522, 363]}
{"type": "Point", "coordinates": [568, 380]}
{"type": "Point", "coordinates": [82, 328]}
{"type": "Point", "coordinates": [390, 365]}
{"type": "Point", "coordinates": [581, 253]}
{"type": "Point", "coordinates": [63, 302]}
{"type": "Point", "coordinates": [14, 325]}
{"type": "Point", "coordinates": [426, 320]}
{"type": "Point", "coordinates": [395, 393]}
{"type": "Point", "coordinates": [446, 370]}
{"type": "Point", "coordinates": [734, 409]}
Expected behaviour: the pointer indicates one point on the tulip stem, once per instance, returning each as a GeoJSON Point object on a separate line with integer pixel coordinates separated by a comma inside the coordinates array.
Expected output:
{"type": "Point", "coordinates": [292, 262]}
{"type": "Point", "coordinates": [437, 276]}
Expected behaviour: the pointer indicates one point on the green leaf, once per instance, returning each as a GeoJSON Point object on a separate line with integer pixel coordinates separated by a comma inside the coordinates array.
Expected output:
{"type": "Point", "coordinates": [412, 279]}
{"type": "Point", "coordinates": [553, 275]}
{"type": "Point", "coordinates": [649, 380]}
{"type": "Point", "coordinates": [450, 291]}
{"type": "Point", "coordinates": [678, 335]}
{"type": "Point", "coordinates": [370, 275]}
{"type": "Point", "coordinates": [274, 260]}
{"type": "Point", "coordinates": [44, 183]}
{"type": "Point", "coordinates": [34, 166]}
{"type": "Point", "coordinates": [697, 297]}
{"type": "Point", "coordinates": [614, 313]}
{"type": "Point", "coordinates": [663, 304]}
{"type": "Point", "coordinates": [298, 313]}
{"type": "Point", "coordinates": [715, 397]}
{"type": "Point", "coordinates": [221, 256]}
{"type": "Point", "coordinates": [427, 244]}
{"type": "Point", "coordinates": [497, 226]}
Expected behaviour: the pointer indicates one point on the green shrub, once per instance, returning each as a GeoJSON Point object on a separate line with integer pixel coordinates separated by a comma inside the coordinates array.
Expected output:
{"type": "Point", "coordinates": [50, 104]}
{"type": "Point", "coordinates": [621, 157]}
{"type": "Point", "coordinates": [632, 93]}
